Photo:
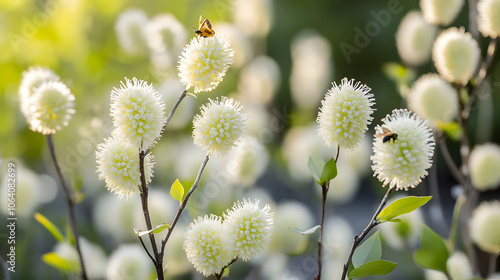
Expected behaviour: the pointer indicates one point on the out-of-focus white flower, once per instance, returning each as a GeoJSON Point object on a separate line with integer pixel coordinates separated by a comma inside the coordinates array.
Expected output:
{"type": "Point", "coordinates": [345, 114]}
{"type": "Point", "coordinates": [405, 233]}
{"type": "Point", "coordinates": [337, 237]}
{"type": "Point", "coordinates": [247, 162]}
{"type": "Point", "coordinates": [34, 77]}
{"type": "Point", "coordinates": [311, 69]}
{"type": "Point", "coordinates": [260, 80]}
{"type": "Point", "coordinates": [240, 43]}
{"type": "Point", "coordinates": [248, 228]}
{"type": "Point", "coordinates": [118, 165]}
{"type": "Point", "coordinates": [259, 122]}
{"type": "Point", "coordinates": [484, 226]}
{"type": "Point", "coordinates": [50, 107]}
{"type": "Point", "coordinates": [219, 127]}
{"type": "Point", "coordinates": [138, 113]}
{"type": "Point", "coordinates": [206, 245]}
{"type": "Point", "coordinates": [170, 90]}
{"type": "Point", "coordinates": [484, 164]}
{"type": "Point", "coordinates": [488, 19]}
{"type": "Point", "coordinates": [166, 37]}
{"type": "Point", "coordinates": [204, 63]}
{"type": "Point", "coordinates": [344, 187]}
{"type": "Point", "coordinates": [441, 12]}
{"type": "Point", "coordinates": [433, 99]}
{"type": "Point", "coordinates": [456, 55]}
{"type": "Point", "coordinates": [431, 274]}
{"type": "Point", "coordinates": [129, 262]}
{"type": "Point", "coordinates": [254, 17]}
{"type": "Point", "coordinates": [290, 214]}
{"type": "Point", "coordinates": [115, 218]}
{"type": "Point", "coordinates": [359, 159]}
{"type": "Point", "coordinates": [175, 257]}
{"type": "Point", "coordinates": [458, 266]}
{"type": "Point", "coordinates": [129, 31]}
{"type": "Point", "coordinates": [162, 207]}
{"type": "Point", "coordinates": [188, 159]}
{"type": "Point", "coordinates": [414, 39]}
{"type": "Point", "coordinates": [402, 163]}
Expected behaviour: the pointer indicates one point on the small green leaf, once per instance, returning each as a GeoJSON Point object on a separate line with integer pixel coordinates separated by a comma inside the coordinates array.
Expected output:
{"type": "Point", "coordinates": [79, 196]}
{"type": "Point", "coordinates": [316, 166]}
{"type": "Point", "coordinates": [402, 206]}
{"type": "Point", "coordinates": [305, 232]}
{"type": "Point", "coordinates": [452, 129]}
{"type": "Point", "coordinates": [433, 252]}
{"type": "Point", "coordinates": [177, 191]}
{"type": "Point", "coordinates": [329, 171]}
{"type": "Point", "coordinates": [60, 263]}
{"type": "Point", "coordinates": [154, 230]}
{"type": "Point", "coordinates": [54, 230]}
{"type": "Point", "coordinates": [377, 267]}
{"type": "Point", "coordinates": [370, 250]}
{"type": "Point", "coordinates": [69, 234]}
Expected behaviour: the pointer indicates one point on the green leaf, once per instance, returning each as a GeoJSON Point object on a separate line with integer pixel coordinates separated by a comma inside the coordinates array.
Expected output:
{"type": "Point", "coordinates": [398, 73]}
{"type": "Point", "coordinates": [402, 206]}
{"type": "Point", "coordinates": [177, 191]}
{"type": "Point", "coordinates": [79, 196]}
{"type": "Point", "coordinates": [60, 263]}
{"type": "Point", "coordinates": [154, 230]}
{"type": "Point", "coordinates": [316, 166]}
{"type": "Point", "coordinates": [305, 232]}
{"type": "Point", "coordinates": [53, 229]}
{"type": "Point", "coordinates": [433, 253]}
{"type": "Point", "coordinates": [452, 129]}
{"type": "Point", "coordinates": [377, 267]}
{"type": "Point", "coordinates": [69, 234]}
{"type": "Point", "coordinates": [370, 250]}
{"type": "Point", "coordinates": [329, 171]}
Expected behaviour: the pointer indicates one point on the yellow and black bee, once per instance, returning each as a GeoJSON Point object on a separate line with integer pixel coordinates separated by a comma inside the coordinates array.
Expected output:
{"type": "Point", "coordinates": [204, 28]}
{"type": "Point", "coordinates": [387, 135]}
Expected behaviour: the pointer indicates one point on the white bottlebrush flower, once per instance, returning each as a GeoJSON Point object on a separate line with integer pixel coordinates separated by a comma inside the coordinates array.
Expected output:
{"type": "Point", "coordinates": [206, 245]}
{"type": "Point", "coordinates": [129, 31]}
{"type": "Point", "coordinates": [414, 39]}
{"type": "Point", "coordinates": [129, 262]}
{"type": "Point", "coordinates": [254, 17]}
{"type": "Point", "coordinates": [259, 81]}
{"type": "Point", "coordinates": [219, 127]}
{"type": "Point", "coordinates": [402, 163]}
{"type": "Point", "coordinates": [138, 113]}
{"type": "Point", "coordinates": [248, 228]}
{"type": "Point", "coordinates": [34, 77]}
{"type": "Point", "coordinates": [441, 12]}
{"type": "Point", "coordinates": [484, 226]}
{"type": "Point", "coordinates": [118, 165]}
{"type": "Point", "coordinates": [433, 99]}
{"type": "Point", "coordinates": [204, 63]}
{"type": "Point", "coordinates": [456, 55]}
{"type": "Point", "coordinates": [311, 69]}
{"type": "Point", "coordinates": [50, 107]}
{"type": "Point", "coordinates": [247, 162]}
{"type": "Point", "coordinates": [484, 163]}
{"type": "Point", "coordinates": [488, 19]}
{"type": "Point", "coordinates": [165, 36]}
{"type": "Point", "coordinates": [458, 266]}
{"type": "Point", "coordinates": [345, 114]}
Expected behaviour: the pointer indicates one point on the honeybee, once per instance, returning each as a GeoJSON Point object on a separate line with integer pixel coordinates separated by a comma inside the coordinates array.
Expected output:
{"type": "Point", "coordinates": [387, 135]}
{"type": "Point", "coordinates": [204, 28]}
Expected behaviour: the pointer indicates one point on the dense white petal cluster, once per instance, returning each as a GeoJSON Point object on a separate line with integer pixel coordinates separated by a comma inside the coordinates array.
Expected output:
{"type": "Point", "coordinates": [204, 63]}
{"type": "Point", "coordinates": [34, 77]}
{"type": "Point", "coordinates": [484, 165]}
{"type": "Point", "coordinates": [345, 114]}
{"type": "Point", "coordinates": [219, 127]}
{"type": "Point", "coordinates": [138, 113]}
{"type": "Point", "coordinates": [402, 163]}
{"type": "Point", "coordinates": [484, 226]}
{"type": "Point", "coordinates": [456, 55]}
{"type": "Point", "coordinates": [488, 17]}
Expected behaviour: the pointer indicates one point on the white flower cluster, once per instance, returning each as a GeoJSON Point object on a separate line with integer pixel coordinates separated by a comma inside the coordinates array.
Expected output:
{"type": "Point", "coordinates": [47, 103]}
{"type": "Point", "coordinates": [244, 233]}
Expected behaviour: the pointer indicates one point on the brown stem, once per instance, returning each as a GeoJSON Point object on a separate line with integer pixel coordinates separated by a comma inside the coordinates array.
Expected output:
{"type": "Point", "coordinates": [158, 262]}
{"type": "Point", "coordinates": [146, 249]}
{"type": "Point", "coordinates": [219, 275]}
{"type": "Point", "coordinates": [183, 205]}
{"type": "Point", "coordinates": [324, 192]}
{"type": "Point", "coordinates": [357, 239]}
{"type": "Point", "coordinates": [71, 205]}
{"type": "Point", "coordinates": [449, 161]}
{"type": "Point", "coordinates": [492, 266]}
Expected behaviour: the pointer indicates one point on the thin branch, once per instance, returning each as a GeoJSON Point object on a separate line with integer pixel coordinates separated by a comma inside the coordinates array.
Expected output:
{"type": "Point", "coordinates": [449, 161]}
{"type": "Point", "coordinates": [146, 249]}
{"type": "Point", "coordinates": [71, 205]}
{"type": "Point", "coordinates": [219, 275]}
{"type": "Point", "coordinates": [338, 154]}
{"type": "Point", "coordinates": [144, 201]}
{"type": "Point", "coordinates": [324, 192]}
{"type": "Point", "coordinates": [490, 53]}
{"type": "Point", "coordinates": [492, 266]}
{"type": "Point", "coordinates": [183, 205]}
{"type": "Point", "coordinates": [357, 239]}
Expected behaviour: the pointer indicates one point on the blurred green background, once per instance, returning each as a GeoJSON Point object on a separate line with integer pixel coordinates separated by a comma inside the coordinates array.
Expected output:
{"type": "Point", "coordinates": [77, 40]}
